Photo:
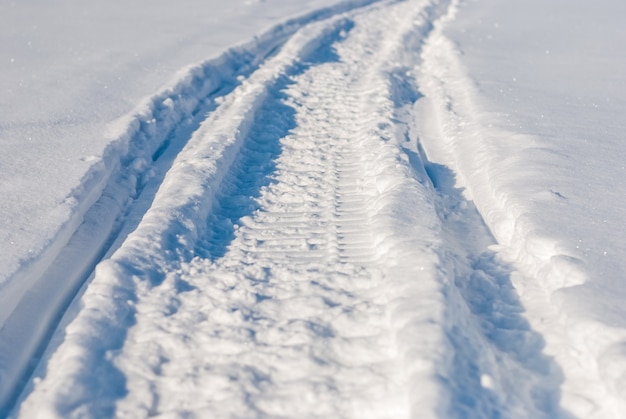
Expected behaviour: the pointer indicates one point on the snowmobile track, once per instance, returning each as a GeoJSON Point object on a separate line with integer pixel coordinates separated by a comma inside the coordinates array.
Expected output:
{"type": "Point", "coordinates": [299, 259]}
{"type": "Point", "coordinates": [116, 193]}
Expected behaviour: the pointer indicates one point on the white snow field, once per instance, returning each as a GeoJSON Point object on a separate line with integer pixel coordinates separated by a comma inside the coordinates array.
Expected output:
{"type": "Point", "coordinates": [363, 209]}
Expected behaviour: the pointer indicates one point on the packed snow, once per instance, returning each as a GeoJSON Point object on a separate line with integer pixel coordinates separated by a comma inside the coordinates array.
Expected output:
{"type": "Point", "coordinates": [392, 208]}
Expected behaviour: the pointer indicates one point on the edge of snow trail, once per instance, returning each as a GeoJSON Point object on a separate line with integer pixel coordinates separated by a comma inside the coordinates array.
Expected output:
{"type": "Point", "coordinates": [463, 136]}
{"type": "Point", "coordinates": [43, 287]}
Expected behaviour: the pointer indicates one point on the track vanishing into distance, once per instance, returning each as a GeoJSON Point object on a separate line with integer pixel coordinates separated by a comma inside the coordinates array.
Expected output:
{"type": "Point", "coordinates": [301, 257]}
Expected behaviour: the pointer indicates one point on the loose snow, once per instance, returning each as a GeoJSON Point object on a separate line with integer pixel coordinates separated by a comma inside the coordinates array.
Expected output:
{"type": "Point", "coordinates": [372, 209]}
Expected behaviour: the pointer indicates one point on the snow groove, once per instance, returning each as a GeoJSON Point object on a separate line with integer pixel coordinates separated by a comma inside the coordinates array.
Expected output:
{"type": "Point", "coordinates": [497, 367]}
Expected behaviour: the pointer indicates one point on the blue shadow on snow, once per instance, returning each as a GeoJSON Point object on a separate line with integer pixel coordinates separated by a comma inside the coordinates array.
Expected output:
{"type": "Point", "coordinates": [256, 163]}
{"type": "Point", "coordinates": [483, 283]}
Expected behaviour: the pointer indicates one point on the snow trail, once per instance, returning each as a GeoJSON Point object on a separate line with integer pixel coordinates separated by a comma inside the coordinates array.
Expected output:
{"type": "Point", "coordinates": [303, 258]}
{"type": "Point", "coordinates": [308, 332]}
{"type": "Point", "coordinates": [115, 194]}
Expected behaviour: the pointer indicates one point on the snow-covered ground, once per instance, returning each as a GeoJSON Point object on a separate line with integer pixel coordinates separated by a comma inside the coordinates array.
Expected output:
{"type": "Point", "coordinates": [83, 87]}
{"type": "Point", "coordinates": [530, 102]}
{"type": "Point", "coordinates": [325, 209]}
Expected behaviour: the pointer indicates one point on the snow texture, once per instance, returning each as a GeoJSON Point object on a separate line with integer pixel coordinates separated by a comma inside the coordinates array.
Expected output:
{"type": "Point", "coordinates": [373, 209]}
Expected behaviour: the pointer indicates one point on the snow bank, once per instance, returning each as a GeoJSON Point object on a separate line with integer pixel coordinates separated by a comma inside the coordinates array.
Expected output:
{"type": "Point", "coordinates": [516, 115]}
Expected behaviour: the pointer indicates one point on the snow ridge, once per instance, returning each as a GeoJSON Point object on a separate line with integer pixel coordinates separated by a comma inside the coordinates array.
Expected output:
{"type": "Point", "coordinates": [465, 138]}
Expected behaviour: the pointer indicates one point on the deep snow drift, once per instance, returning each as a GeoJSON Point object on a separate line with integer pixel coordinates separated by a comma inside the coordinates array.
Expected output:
{"type": "Point", "coordinates": [375, 209]}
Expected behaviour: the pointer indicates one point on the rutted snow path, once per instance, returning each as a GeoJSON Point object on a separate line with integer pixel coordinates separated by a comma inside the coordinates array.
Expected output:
{"type": "Point", "coordinates": [302, 258]}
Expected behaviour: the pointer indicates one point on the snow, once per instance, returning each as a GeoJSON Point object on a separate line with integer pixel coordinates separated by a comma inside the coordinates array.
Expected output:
{"type": "Point", "coordinates": [339, 209]}
{"type": "Point", "coordinates": [73, 75]}
{"type": "Point", "coordinates": [540, 98]}
{"type": "Point", "coordinates": [68, 165]}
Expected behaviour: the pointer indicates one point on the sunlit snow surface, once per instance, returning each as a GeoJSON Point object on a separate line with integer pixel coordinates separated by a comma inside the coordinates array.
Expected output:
{"type": "Point", "coordinates": [531, 106]}
{"type": "Point", "coordinates": [374, 209]}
